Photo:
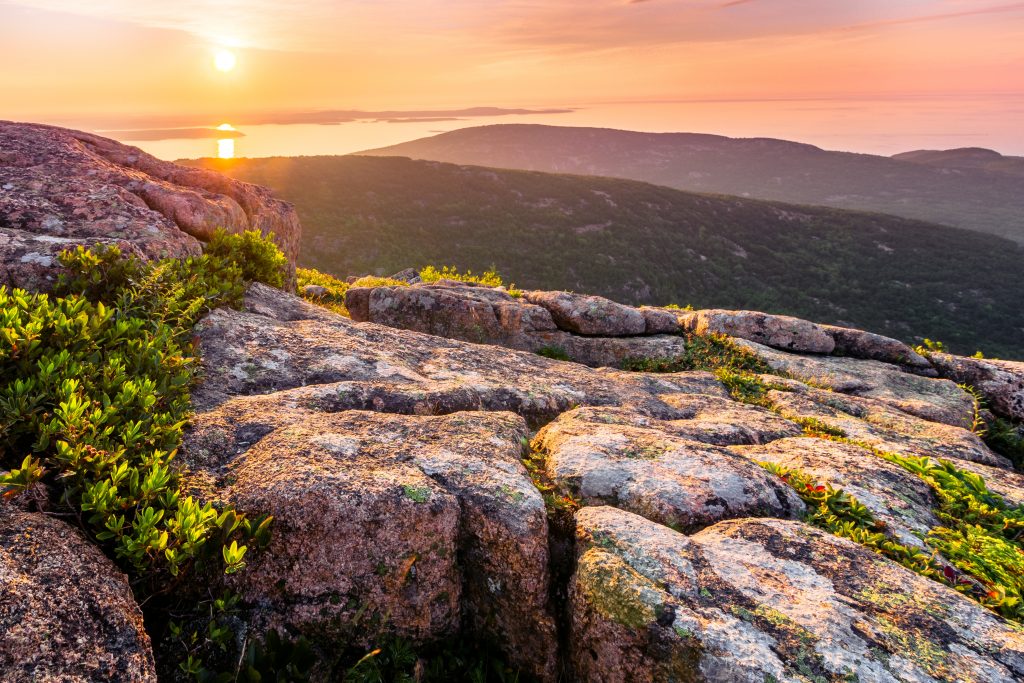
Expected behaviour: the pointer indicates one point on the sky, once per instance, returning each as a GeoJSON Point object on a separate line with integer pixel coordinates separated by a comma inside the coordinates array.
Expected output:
{"type": "Point", "coordinates": [116, 63]}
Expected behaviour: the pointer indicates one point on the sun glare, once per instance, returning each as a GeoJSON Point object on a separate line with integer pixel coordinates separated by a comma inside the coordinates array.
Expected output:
{"type": "Point", "coordinates": [224, 60]}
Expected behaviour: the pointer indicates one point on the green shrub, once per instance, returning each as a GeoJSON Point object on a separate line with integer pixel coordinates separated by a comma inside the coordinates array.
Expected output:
{"type": "Point", "coordinates": [256, 254]}
{"type": "Point", "coordinates": [839, 513]}
{"type": "Point", "coordinates": [94, 395]}
{"type": "Point", "coordinates": [489, 277]}
{"type": "Point", "coordinates": [1007, 439]}
{"type": "Point", "coordinates": [982, 536]}
{"type": "Point", "coordinates": [333, 299]}
{"type": "Point", "coordinates": [374, 281]}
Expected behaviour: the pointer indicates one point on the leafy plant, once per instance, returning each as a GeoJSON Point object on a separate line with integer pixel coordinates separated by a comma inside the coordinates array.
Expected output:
{"type": "Point", "coordinates": [1006, 438]}
{"type": "Point", "coordinates": [929, 346]}
{"type": "Point", "coordinates": [489, 277]}
{"type": "Point", "coordinates": [258, 257]}
{"type": "Point", "coordinates": [373, 281]}
{"type": "Point", "coordinates": [94, 395]}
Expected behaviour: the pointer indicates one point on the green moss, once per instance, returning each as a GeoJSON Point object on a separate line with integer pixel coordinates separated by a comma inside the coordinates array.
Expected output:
{"type": "Point", "coordinates": [617, 591]}
{"type": "Point", "coordinates": [417, 494]}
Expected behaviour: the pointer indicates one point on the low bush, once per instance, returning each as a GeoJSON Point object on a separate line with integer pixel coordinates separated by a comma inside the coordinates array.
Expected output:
{"type": "Point", "coordinates": [94, 395]}
{"type": "Point", "coordinates": [333, 297]}
{"type": "Point", "coordinates": [489, 277]}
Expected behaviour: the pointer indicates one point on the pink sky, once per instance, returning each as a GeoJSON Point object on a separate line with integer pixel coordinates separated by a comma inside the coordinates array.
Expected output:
{"type": "Point", "coordinates": [115, 57]}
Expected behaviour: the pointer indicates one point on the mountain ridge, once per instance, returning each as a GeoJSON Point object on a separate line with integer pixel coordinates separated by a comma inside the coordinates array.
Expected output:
{"type": "Point", "coordinates": [764, 168]}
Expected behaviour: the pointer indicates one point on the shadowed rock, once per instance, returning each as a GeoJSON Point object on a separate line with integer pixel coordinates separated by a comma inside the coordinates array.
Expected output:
{"type": "Point", "coordinates": [66, 612]}
{"type": "Point", "coordinates": [1001, 382]}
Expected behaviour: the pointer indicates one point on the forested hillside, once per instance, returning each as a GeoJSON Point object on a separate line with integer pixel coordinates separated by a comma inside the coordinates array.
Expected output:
{"type": "Point", "coordinates": [641, 243]}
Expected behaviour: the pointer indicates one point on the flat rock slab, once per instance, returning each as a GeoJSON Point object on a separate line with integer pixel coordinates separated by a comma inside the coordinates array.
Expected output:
{"type": "Point", "coordinates": [878, 424]}
{"type": "Point", "coordinates": [475, 314]}
{"type": "Point", "coordinates": [707, 418]}
{"type": "Point", "coordinates": [938, 400]}
{"type": "Point", "coordinates": [388, 523]}
{"type": "Point", "coordinates": [590, 315]}
{"type": "Point", "coordinates": [61, 188]}
{"type": "Point", "coordinates": [1001, 382]}
{"type": "Point", "coordinates": [66, 612]}
{"type": "Point", "coordinates": [777, 331]}
{"type": "Point", "coordinates": [896, 497]}
{"type": "Point", "coordinates": [282, 343]}
{"type": "Point", "coordinates": [755, 600]}
{"type": "Point", "coordinates": [678, 482]}
{"type": "Point", "coordinates": [613, 352]}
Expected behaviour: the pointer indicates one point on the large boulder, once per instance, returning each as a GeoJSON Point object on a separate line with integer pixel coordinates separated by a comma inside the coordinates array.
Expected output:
{"type": "Point", "coordinates": [1001, 382]}
{"type": "Point", "coordinates": [778, 331]}
{"type": "Point", "coordinates": [412, 525]}
{"type": "Point", "coordinates": [871, 346]}
{"type": "Point", "coordinates": [755, 600]}
{"type": "Point", "coordinates": [454, 310]}
{"type": "Point", "coordinates": [60, 188]}
{"type": "Point", "coordinates": [489, 315]}
{"type": "Point", "coordinates": [590, 315]}
{"type": "Point", "coordinates": [66, 612]}
{"type": "Point", "coordinates": [675, 481]}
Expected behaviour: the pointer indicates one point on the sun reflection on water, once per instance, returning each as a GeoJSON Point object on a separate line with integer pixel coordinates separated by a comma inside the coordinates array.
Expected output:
{"type": "Point", "coordinates": [226, 146]}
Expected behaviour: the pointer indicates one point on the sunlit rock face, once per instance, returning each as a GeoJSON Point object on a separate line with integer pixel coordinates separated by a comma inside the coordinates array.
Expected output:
{"type": "Point", "coordinates": [686, 560]}
{"type": "Point", "coordinates": [61, 188]}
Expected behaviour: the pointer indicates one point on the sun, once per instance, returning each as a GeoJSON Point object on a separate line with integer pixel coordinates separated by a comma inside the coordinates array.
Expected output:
{"type": "Point", "coordinates": [224, 60]}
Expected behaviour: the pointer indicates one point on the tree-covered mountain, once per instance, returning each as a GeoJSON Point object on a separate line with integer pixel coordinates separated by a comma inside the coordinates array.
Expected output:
{"type": "Point", "coordinates": [979, 197]}
{"type": "Point", "coordinates": [965, 159]}
{"type": "Point", "coordinates": [641, 243]}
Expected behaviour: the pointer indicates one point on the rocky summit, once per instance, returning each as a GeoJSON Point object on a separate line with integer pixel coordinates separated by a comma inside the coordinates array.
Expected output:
{"type": "Point", "coordinates": [62, 188]}
{"type": "Point", "coordinates": [599, 492]}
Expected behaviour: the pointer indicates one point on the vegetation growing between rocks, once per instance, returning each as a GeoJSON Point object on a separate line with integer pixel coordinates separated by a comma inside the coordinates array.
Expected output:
{"type": "Point", "coordinates": [94, 395]}
{"type": "Point", "coordinates": [736, 367]}
{"type": "Point", "coordinates": [333, 296]}
{"type": "Point", "coordinates": [489, 277]}
{"type": "Point", "coordinates": [982, 540]}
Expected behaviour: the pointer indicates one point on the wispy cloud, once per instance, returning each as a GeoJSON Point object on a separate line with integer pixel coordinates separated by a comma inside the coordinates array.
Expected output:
{"type": "Point", "coordinates": [581, 24]}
